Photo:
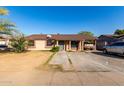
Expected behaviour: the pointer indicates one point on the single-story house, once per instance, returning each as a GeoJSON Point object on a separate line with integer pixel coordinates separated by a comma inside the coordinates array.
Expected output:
{"type": "Point", "coordinates": [68, 42]}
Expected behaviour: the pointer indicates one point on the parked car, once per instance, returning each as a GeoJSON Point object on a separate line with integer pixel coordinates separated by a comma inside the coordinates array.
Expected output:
{"type": "Point", "coordinates": [88, 46]}
{"type": "Point", "coordinates": [3, 47]}
{"type": "Point", "coordinates": [117, 48]}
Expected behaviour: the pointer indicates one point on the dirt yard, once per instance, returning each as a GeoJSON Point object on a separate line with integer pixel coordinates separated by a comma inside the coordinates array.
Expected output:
{"type": "Point", "coordinates": [16, 67]}
{"type": "Point", "coordinates": [22, 61]}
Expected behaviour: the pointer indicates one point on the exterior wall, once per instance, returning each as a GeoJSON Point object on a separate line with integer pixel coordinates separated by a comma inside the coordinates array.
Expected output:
{"type": "Point", "coordinates": [39, 45]}
{"type": "Point", "coordinates": [100, 45]}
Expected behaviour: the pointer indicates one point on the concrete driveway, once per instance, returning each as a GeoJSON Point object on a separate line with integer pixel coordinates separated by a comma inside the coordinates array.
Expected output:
{"type": "Point", "coordinates": [83, 62]}
{"type": "Point", "coordinates": [97, 68]}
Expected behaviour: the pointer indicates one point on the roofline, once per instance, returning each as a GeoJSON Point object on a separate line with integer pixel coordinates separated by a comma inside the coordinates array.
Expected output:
{"type": "Point", "coordinates": [54, 35]}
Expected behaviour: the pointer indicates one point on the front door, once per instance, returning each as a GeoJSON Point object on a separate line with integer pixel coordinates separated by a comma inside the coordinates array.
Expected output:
{"type": "Point", "coordinates": [61, 45]}
{"type": "Point", "coordinates": [74, 45]}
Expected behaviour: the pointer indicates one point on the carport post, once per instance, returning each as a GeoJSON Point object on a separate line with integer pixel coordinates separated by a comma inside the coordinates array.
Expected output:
{"type": "Point", "coordinates": [69, 45]}
{"type": "Point", "coordinates": [82, 45]}
{"type": "Point", "coordinates": [57, 43]}
{"type": "Point", "coordinates": [66, 45]}
{"type": "Point", "coordinates": [79, 46]}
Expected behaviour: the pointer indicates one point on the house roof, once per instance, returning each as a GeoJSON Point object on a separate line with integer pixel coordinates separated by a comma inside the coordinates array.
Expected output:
{"type": "Point", "coordinates": [109, 38]}
{"type": "Point", "coordinates": [112, 36]}
{"type": "Point", "coordinates": [121, 37]}
{"type": "Point", "coordinates": [60, 37]}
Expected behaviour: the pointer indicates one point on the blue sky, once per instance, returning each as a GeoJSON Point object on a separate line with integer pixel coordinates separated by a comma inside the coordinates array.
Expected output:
{"type": "Point", "coordinates": [67, 20]}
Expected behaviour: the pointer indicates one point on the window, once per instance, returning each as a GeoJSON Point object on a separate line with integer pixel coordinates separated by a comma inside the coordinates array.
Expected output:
{"type": "Point", "coordinates": [49, 42]}
{"type": "Point", "coordinates": [118, 44]}
{"type": "Point", "coordinates": [31, 43]}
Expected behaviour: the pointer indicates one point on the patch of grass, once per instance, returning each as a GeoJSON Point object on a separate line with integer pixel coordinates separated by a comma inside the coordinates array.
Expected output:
{"type": "Point", "coordinates": [55, 49]}
{"type": "Point", "coordinates": [69, 60]}
{"type": "Point", "coordinates": [45, 50]}
{"type": "Point", "coordinates": [56, 67]}
{"type": "Point", "coordinates": [69, 51]}
{"type": "Point", "coordinates": [82, 50]}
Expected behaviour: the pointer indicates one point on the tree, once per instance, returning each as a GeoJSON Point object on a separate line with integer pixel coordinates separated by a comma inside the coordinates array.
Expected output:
{"type": "Point", "coordinates": [86, 33]}
{"type": "Point", "coordinates": [119, 32]}
{"type": "Point", "coordinates": [17, 42]}
{"type": "Point", "coordinates": [6, 27]}
{"type": "Point", "coordinates": [4, 11]}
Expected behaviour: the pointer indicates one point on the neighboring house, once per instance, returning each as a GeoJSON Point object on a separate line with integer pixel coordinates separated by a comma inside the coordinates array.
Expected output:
{"type": "Point", "coordinates": [104, 40]}
{"type": "Point", "coordinates": [68, 42]}
{"type": "Point", "coordinates": [121, 38]}
{"type": "Point", "coordinates": [4, 39]}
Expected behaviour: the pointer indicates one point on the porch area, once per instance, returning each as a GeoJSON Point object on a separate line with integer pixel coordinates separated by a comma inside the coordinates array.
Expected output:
{"type": "Point", "coordinates": [72, 45]}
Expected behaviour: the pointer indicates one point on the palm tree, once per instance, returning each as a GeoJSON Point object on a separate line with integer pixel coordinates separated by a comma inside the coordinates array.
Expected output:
{"type": "Point", "coordinates": [3, 11]}
{"type": "Point", "coordinates": [6, 27]}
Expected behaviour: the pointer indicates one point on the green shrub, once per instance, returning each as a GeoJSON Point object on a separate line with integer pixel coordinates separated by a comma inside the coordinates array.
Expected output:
{"type": "Point", "coordinates": [69, 50]}
{"type": "Point", "coordinates": [18, 44]}
{"type": "Point", "coordinates": [55, 49]}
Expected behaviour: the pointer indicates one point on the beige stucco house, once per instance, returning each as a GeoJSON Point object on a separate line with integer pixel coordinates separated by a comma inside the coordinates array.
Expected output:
{"type": "Point", "coordinates": [68, 42]}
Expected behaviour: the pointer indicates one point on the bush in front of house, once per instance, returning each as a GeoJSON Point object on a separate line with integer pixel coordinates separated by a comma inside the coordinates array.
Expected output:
{"type": "Point", "coordinates": [18, 44]}
{"type": "Point", "coordinates": [55, 49]}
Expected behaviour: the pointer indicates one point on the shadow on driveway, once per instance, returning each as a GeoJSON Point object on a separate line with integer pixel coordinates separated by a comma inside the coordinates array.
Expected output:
{"type": "Point", "coordinates": [108, 55]}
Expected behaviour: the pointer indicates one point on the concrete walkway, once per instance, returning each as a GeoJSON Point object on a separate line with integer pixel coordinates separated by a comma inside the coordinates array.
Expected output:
{"type": "Point", "coordinates": [61, 59]}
